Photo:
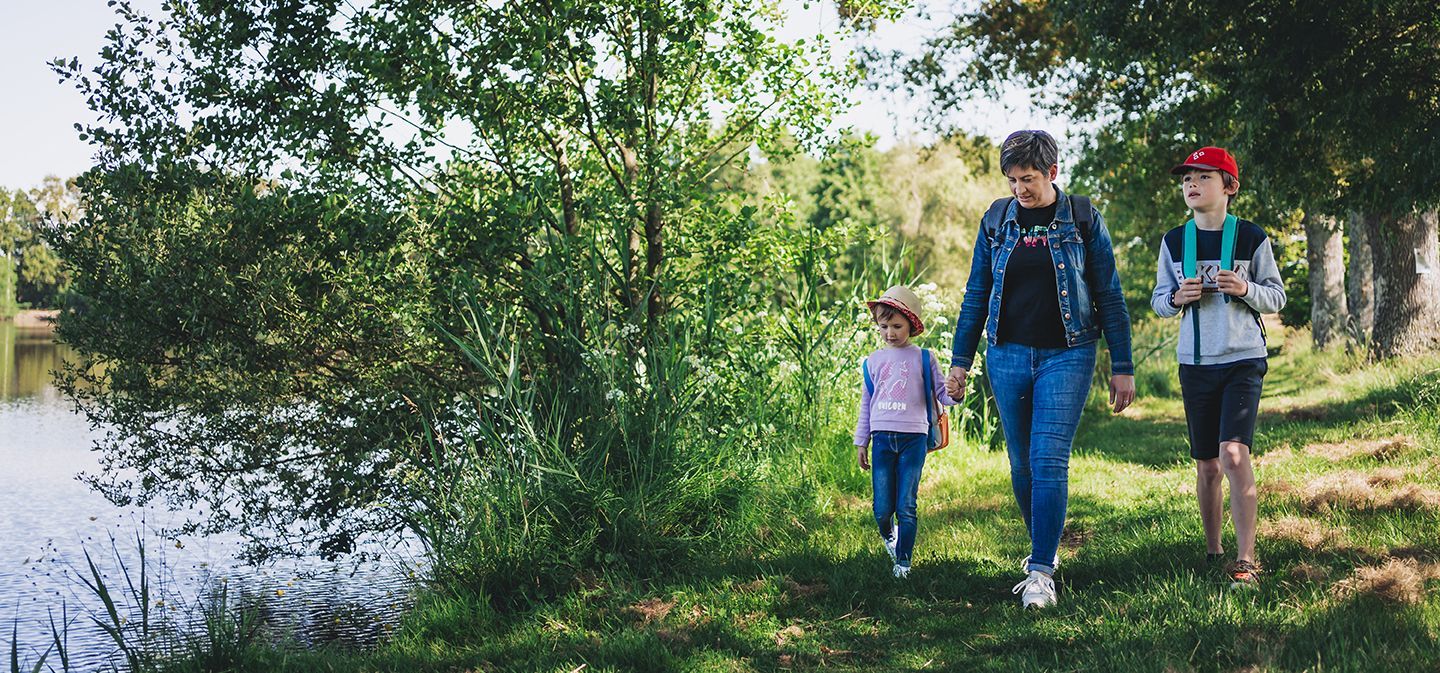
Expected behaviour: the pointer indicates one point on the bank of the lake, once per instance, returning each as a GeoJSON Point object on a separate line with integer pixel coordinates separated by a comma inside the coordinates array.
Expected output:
{"type": "Point", "coordinates": [1350, 538]}
{"type": "Point", "coordinates": [35, 319]}
{"type": "Point", "coordinates": [49, 520]}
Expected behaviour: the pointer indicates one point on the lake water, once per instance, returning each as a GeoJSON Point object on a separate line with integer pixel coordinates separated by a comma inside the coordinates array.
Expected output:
{"type": "Point", "coordinates": [49, 519]}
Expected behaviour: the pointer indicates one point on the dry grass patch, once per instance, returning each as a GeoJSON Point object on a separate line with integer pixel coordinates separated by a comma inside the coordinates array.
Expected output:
{"type": "Point", "coordinates": [1397, 581]}
{"type": "Point", "coordinates": [1340, 490]}
{"type": "Point", "coordinates": [650, 610]}
{"type": "Point", "coordinates": [798, 590]}
{"type": "Point", "coordinates": [1308, 533]}
{"type": "Point", "coordinates": [1306, 572]}
{"type": "Point", "coordinates": [1273, 487]}
{"type": "Point", "coordinates": [1273, 457]}
{"type": "Point", "coordinates": [1379, 449]}
{"type": "Point", "coordinates": [1410, 497]}
{"type": "Point", "coordinates": [1386, 476]}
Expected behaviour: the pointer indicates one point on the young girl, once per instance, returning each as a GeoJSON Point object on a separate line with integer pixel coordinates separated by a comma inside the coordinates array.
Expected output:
{"type": "Point", "coordinates": [894, 423]}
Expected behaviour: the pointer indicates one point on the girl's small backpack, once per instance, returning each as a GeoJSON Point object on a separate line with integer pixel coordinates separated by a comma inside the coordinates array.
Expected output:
{"type": "Point", "coordinates": [935, 414]}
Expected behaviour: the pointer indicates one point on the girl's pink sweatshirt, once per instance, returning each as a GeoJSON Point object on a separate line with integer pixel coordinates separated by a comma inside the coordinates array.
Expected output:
{"type": "Point", "coordinates": [898, 404]}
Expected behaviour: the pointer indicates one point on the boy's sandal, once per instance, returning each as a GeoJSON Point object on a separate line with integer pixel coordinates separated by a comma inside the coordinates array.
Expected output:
{"type": "Point", "coordinates": [1243, 573]}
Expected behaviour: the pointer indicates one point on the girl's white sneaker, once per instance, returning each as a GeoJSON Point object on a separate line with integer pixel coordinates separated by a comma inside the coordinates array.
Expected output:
{"type": "Point", "coordinates": [1036, 591]}
{"type": "Point", "coordinates": [890, 547]}
{"type": "Point", "coordinates": [901, 572]}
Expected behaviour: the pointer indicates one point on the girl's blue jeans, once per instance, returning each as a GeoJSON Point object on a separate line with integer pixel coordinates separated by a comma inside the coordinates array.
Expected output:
{"type": "Point", "coordinates": [896, 459]}
{"type": "Point", "coordinates": [1040, 393]}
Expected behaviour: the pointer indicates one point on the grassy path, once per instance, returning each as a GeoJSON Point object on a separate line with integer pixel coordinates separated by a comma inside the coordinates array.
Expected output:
{"type": "Point", "coordinates": [1350, 534]}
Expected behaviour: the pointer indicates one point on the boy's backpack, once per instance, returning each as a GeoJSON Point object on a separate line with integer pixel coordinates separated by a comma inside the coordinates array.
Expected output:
{"type": "Point", "coordinates": [939, 435]}
{"type": "Point", "coordinates": [1190, 267]}
{"type": "Point", "coordinates": [1079, 207]}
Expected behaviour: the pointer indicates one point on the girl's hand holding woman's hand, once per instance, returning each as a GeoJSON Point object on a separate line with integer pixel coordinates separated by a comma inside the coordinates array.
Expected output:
{"type": "Point", "coordinates": [955, 383]}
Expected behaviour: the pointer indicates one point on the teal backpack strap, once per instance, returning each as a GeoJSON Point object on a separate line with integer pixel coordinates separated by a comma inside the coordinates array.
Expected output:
{"type": "Point", "coordinates": [1227, 247]}
{"type": "Point", "coordinates": [1188, 263]}
{"type": "Point", "coordinates": [1227, 243]}
{"type": "Point", "coordinates": [1191, 268]}
{"type": "Point", "coordinates": [865, 371]}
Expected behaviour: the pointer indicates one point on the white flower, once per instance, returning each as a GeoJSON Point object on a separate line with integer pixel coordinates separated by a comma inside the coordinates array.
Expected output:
{"type": "Point", "coordinates": [928, 287]}
{"type": "Point", "coordinates": [938, 320]}
{"type": "Point", "coordinates": [615, 394]}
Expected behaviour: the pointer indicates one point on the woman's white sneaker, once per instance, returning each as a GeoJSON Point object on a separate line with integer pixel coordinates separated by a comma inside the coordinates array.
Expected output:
{"type": "Point", "coordinates": [901, 572]}
{"type": "Point", "coordinates": [890, 547]}
{"type": "Point", "coordinates": [1036, 591]}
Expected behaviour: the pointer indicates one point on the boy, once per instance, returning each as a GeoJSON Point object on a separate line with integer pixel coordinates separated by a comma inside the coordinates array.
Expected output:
{"type": "Point", "coordinates": [1221, 271]}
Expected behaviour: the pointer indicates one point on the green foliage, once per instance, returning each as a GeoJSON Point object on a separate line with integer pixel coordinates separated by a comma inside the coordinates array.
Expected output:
{"type": "Point", "coordinates": [32, 274]}
{"type": "Point", "coordinates": [8, 305]}
{"type": "Point", "coordinates": [1267, 80]}
{"type": "Point", "coordinates": [280, 299]}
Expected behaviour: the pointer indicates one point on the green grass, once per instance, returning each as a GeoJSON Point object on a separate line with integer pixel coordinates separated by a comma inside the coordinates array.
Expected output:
{"type": "Point", "coordinates": [1135, 595]}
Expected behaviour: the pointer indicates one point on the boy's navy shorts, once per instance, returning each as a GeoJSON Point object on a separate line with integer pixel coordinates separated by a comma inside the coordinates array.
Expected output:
{"type": "Point", "coordinates": [1221, 404]}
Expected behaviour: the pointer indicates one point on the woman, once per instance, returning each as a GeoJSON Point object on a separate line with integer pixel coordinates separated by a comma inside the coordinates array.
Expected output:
{"type": "Point", "coordinates": [1044, 287]}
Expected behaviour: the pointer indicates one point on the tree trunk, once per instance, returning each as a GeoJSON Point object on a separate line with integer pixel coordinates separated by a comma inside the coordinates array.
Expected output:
{"type": "Point", "coordinates": [1360, 277]}
{"type": "Point", "coordinates": [1325, 252]}
{"type": "Point", "coordinates": [1407, 284]}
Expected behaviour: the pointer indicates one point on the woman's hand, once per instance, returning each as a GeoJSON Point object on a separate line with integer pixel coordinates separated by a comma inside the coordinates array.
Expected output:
{"type": "Point", "coordinates": [862, 455]}
{"type": "Point", "coordinates": [955, 383]}
{"type": "Point", "coordinates": [1122, 391]}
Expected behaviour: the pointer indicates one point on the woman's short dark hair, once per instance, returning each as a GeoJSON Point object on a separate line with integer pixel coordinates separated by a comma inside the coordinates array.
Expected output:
{"type": "Point", "coordinates": [1029, 149]}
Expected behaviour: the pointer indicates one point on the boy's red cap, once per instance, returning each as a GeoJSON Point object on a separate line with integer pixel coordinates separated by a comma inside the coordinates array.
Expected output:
{"type": "Point", "coordinates": [1209, 159]}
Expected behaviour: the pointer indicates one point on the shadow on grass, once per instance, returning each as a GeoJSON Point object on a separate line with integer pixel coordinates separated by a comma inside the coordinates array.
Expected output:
{"type": "Point", "coordinates": [1150, 442]}
{"type": "Point", "coordinates": [1164, 442]}
{"type": "Point", "coordinates": [1135, 596]}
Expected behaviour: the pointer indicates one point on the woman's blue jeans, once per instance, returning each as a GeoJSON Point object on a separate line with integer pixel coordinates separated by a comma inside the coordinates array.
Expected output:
{"type": "Point", "coordinates": [1040, 393]}
{"type": "Point", "coordinates": [896, 459]}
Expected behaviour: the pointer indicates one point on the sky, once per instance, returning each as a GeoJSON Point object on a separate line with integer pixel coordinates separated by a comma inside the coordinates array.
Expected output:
{"type": "Point", "coordinates": [38, 113]}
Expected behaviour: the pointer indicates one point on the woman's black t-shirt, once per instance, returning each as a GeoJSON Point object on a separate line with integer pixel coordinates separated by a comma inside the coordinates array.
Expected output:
{"type": "Point", "coordinates": [1029, 305]}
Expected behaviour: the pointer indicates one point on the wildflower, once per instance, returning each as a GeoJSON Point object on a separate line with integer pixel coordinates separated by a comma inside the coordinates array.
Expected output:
{"type": "Point", "coordinates": [615, 394]}
{"type": "Point", "coordinates": [938, 320]}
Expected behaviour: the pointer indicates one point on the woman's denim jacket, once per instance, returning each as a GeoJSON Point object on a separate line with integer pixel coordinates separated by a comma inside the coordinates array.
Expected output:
{"type": "Point", "coordinates": [1089, 287]}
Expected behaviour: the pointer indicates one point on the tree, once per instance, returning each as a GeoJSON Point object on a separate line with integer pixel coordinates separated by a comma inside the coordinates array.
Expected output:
{"type": "Point", "coordinates": [298, 206]}
{"type": "Point", "coordinates": [1325, 249]}
{"type": "Point", "coordinates": [1292, 87]}
{"type": "Point", "coordinates": [36, 277]}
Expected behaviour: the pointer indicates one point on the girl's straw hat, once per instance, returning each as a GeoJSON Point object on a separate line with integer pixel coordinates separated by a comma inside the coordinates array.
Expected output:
{"type": "Point", "coordinates": [903, 300]}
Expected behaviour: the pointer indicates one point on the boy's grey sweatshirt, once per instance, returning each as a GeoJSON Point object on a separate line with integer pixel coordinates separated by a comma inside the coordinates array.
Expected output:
{"type": "Point", "coordinates": [1226, 331]}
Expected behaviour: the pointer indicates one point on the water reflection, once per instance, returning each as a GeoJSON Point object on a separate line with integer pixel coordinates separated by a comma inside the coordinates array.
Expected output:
{"type": "Point", "coordinates": [28, 355]}
{"type": "Point", "coordinates": [48, 519]}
